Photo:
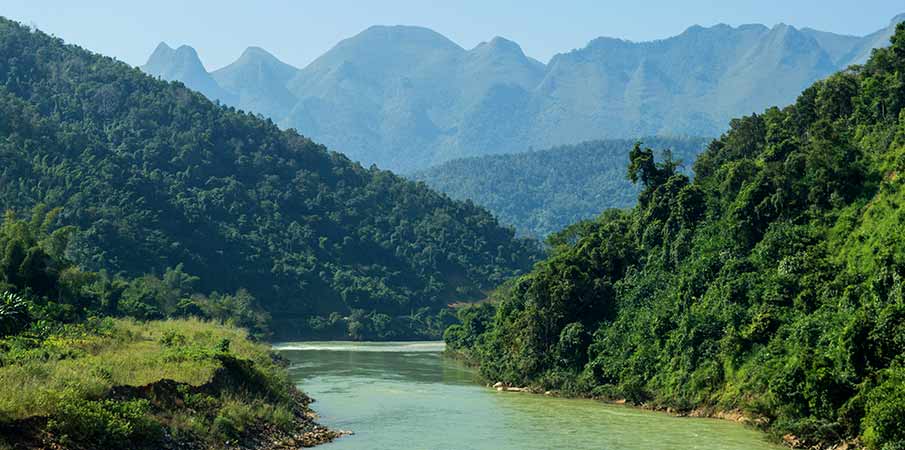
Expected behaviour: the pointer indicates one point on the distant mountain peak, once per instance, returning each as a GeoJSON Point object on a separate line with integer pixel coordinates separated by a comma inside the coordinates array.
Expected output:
{"type": "Point", "coordinates": [605, 42]}
{"type": "Point", "coordinates": [897, 19]}
{"type": "Point", "coordinates": [162, 47]}
{"type": "Point", "coordinates": [254, 51]}
{"type": "Point", "coordinates": [404, 34]}
{"type": "Point", "coordinates": [501, 42]}
{"type": "Point", "coordinates": [257, 55]}
{"type": "Point", "coordinates": [723, 28]}
{"type": "Point", "coordinates": [183, 64]}
{"type": "Point", "coordinates": [165, 58]}
{"type": "Point", "coordinates": [500, 45]}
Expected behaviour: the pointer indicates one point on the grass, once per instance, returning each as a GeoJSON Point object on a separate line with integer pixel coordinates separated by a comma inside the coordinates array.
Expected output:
{"type": "Point", "coordinates": [67, 386]}
{"type": "Point", "coordinates": [84, 362]}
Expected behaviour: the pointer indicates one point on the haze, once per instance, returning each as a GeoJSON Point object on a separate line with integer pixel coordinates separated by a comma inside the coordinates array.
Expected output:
{"type": "Point", "coordinates": [299, 31]}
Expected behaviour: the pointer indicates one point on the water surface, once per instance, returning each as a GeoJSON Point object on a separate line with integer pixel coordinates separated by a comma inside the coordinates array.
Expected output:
{"type": "Point", "coordinates": [408, 396]}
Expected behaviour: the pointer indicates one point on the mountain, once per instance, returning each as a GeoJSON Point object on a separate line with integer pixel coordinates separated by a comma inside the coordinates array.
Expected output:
{"type": "Point", "coordinates": [771, 285]}
{"type": "Point", "coordinates": [861, 52]}
{"type": "Point", "coordinates": [183, 64]}
{"type": "Point", "coordinates": [407, 98]}
{"type": "Point", "coordinates": [258, 81]}
{"type": "Point", "coordinates": [155, 176]}
{"type": "Point", "coordinates": [381, 94]}
{"type": "Point", "coordinates": [542, 192]}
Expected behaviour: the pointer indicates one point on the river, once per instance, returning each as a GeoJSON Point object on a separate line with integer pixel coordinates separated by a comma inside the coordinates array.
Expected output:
{"type": "Point", "coordinates": [408, 396]}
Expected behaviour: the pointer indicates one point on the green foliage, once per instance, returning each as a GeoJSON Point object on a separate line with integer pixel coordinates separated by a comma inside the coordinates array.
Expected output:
{"type": "Point", "coordinates": [14, 315]}
{"type": "Point", "coordinates": [57, 290]}
{"type": "Point", "coordinates": [104, 423]}
{"type": "Point", "coordinates": [773, 283]}
{"type": "Point", "coordinates": [105, 383]}
{"type": "Point", "coordinates": [884, 411]}
{"type": "Point", "coordinates": [541, 192]}
{"type": "Point", "coordinates": [154, 175]}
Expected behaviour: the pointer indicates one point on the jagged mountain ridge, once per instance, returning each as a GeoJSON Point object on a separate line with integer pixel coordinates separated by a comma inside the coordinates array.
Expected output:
{"type": "Point", "coordinates": [407, 97]}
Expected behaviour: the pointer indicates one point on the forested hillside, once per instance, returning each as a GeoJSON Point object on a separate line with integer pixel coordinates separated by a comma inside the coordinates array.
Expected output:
{"type": "Point", "coordinates": [78, 371]}
{"type": "Point", "coordinates": [154, 175]}
{"type": "Point", "coordinates": [407, 98]}
{"type": "Point", "coordinates": [773, 283]}
{"type": "Point", "coordinates": [544, 191]}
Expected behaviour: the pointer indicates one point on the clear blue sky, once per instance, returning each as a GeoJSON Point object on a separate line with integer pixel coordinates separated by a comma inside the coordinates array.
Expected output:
{"type": "Point", "coordinates": [298, 31]}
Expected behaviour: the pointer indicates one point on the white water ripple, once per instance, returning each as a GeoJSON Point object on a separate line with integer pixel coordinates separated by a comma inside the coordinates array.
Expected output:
{"type": "Point", "coordinates": [352, 346]}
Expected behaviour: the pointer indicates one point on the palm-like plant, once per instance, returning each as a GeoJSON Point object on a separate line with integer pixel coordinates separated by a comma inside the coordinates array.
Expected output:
{"type": "Point", "coordinates": [13, 313]}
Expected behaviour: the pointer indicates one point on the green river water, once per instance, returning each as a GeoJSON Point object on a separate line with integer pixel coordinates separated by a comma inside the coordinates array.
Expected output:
{"type": "Point", "coordinates": [409, 396]}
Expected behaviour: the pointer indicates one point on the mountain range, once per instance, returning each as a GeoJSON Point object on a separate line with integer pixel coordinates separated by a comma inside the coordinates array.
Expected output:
{"type": "Point", "coordinates": [407, 98]}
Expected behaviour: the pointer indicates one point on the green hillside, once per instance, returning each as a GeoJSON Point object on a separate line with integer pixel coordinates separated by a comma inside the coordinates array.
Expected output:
{"type": "Point", "coordinates": [772, 284]}
{"type": "Point", "coordinates": [154, 175]}
{"type": "Point", "coordinates": [544, 191]}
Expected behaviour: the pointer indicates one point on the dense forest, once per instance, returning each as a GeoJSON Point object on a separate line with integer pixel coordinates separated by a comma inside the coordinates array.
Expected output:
{"type": "Point", "coordinates": [772, 283]}
{"type": "Point", "coordinates": [540, 192]}
{"type": "Point", "coordinates": [155, 178]}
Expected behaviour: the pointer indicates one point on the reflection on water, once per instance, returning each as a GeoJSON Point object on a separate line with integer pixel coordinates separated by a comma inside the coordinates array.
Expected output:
{"type": "Point", "coordinates": [408, 396]}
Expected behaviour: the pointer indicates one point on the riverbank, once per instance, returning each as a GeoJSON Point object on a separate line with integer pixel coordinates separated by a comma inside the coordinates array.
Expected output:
{"type": "Point", "coordinates": [760, 423]}
{"type": "Point", "coordinates": [117, 383]}
{"type": "Point", "coordinates": [390, 393]}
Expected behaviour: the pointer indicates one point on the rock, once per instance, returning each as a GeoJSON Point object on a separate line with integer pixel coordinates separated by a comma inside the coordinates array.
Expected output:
{"type": "Point", "coordinates": [792, 441]}
{"type": "Point", "coordinates": [498, 384]}
{"type": "Point", "coordinates": [500, 389]}
{"type": "Point", "coordinates": [548, 393]}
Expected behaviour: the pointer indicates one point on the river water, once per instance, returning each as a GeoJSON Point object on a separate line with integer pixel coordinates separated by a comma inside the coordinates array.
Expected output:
{"type": "Point", "coordinates": [408, 396]}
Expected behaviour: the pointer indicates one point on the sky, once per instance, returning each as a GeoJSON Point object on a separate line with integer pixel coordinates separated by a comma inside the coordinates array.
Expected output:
{"type": "Point", "coordinates": [299, 31]}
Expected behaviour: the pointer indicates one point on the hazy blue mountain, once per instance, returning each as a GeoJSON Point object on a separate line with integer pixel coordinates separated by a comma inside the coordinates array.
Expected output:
{"type": "Point", "coordinates": [258, 81]}
{"type": "Point", "coordinates": [407, 97]}
{"type": "Point", "coordinates": [880, 38]}
{"type": "Point", "coordinates": [541, 192]}
{"type": "Point", "coordinates": [837, 46]}
{"type": "Point", "coordinates": [388, 91]}
{"type": "Point", "coordinates": [183, 64]}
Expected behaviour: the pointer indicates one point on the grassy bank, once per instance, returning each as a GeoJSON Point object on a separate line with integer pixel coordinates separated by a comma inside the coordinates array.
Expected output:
{"type": "Point", "coordinates": [111, 383]}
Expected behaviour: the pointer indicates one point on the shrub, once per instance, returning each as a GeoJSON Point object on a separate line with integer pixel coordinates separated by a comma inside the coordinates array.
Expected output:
{"type": "Point", "coordinates": [884, 410]}
{"type": "Point", "coordinates": [104, 423]}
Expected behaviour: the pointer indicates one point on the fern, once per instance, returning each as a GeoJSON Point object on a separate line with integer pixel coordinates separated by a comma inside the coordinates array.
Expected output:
{"type": "Point", "coordinates": [13, 313]}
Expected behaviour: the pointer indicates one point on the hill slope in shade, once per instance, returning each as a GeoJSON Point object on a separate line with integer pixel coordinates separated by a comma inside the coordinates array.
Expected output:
{"type": "Point", "coordinates": [155, 175]}
{"type": "Point", "coordinates": [542, 192]}
{"type": "Point", "coordinates": [407, 97]}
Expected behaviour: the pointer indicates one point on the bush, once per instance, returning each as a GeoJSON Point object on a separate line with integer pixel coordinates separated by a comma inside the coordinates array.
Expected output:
{"type": "Point", "coordinates": [104, 424]}
{"type": "Point", "coordinates": [883, 423]}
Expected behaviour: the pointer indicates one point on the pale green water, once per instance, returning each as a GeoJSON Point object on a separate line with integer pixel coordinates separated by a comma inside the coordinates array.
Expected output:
{"type": "Point", "coordinates": [408, 396]}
